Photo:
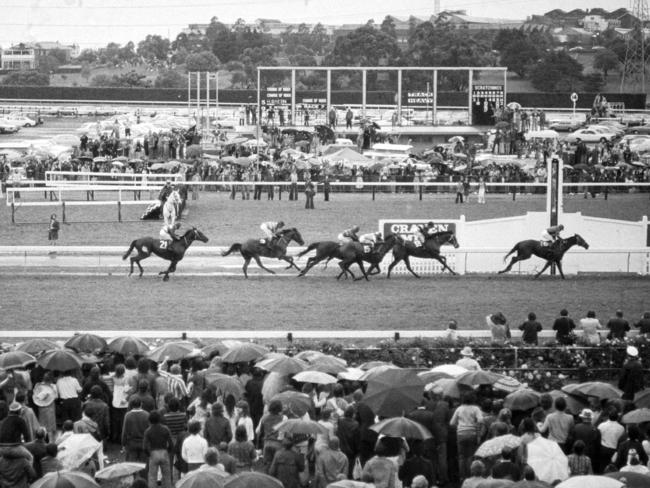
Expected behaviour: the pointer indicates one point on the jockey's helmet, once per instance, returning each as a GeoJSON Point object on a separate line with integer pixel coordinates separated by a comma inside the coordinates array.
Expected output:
{"type": "Point", "coordinates": [378, 234]}
{"type": "Point", "coordinates": [356, 228]}
{"type": "Point", "coordinates": [281, 224]}
{"type": "Point", "coordinates": [561, 227]}
{"type": "Point", "coordinates": [429, 224]}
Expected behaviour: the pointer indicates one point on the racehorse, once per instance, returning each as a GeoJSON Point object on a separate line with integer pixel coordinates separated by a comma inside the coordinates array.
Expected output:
{"type": "Point", "coordinates": [172, 208]}
{"type": "Point", "coordinates": [403, 250]}
{"type": "Point", "coordinates": [553, 254]}
{"type": "Point", "coordinates": [328, 250]}
{"type": "Point", "coordinates": [255, 248]}
{"type": "Point", "coordinates": [171, 251]}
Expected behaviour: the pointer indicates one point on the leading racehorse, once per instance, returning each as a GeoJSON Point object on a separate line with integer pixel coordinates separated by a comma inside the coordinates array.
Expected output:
{"type": "Point", "coordinates": [403, 250]}
{"type": "Point", "coordinates": [171, 251]}
{"type": "Point", "coordinates": [256, 248]}
{"type": "Point", "coordinates": [327, 250]}
{"type": "Point", "coordinates": [553, 253]}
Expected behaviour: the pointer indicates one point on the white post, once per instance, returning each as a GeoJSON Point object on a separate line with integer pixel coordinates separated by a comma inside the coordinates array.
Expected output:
{"type": "Point", "coordinates": [328, 95]}
{"type": "Point", "coordinates": [364, 81]}
{"type": "Point", "coordinates": [216, 96]}
{"type": "Point", "coordinates": [207, 102]}
{"type": "Point", "coordinates": [470, 84]}
{"type": "Point", "coordinates": [198, 99]}
{"type": "Point", "coordinates": [189, 93]}
{"type": "Point", "coordinates": [399, 96]}
{"type": "Point", "coordinates": [293, 97]}
{"type": "Point", "coordinates": [435, 97]}
{"type": "Point", "coordinates": [258, 115]}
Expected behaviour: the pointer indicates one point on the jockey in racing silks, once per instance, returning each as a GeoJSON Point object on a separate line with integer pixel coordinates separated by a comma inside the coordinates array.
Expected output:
{"type": "Point", "coordinates": [168, 232]}
{"type": "Point", "coordinates": [271, 231]}
{"type": "Point", "coordinates": [371, 239]}
{"type": "Point", "coordinates": [349, 235]}
{"type": "Point", "coordinates": [551, 235]}
{"type": "Point", "coordinates": [422, 233]}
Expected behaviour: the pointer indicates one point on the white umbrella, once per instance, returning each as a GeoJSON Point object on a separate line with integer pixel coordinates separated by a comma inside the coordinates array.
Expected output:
{"type": "Point", "coordinates": [274, 383]}
{"type": "Point", "coordinates": [315, 377]}
{"type": "Point", "coordinates": [352, 374]}
{"type": "Point", "coordinates": [542, 134]}
{"type": "Point", "coordinates": [548, 460]}
{"type": "Point", "coordinates": [450, 369]}
{"type": "Point", "coordinates": [591, 481]}
{"type": "Point", "coordinates": [76, 450]}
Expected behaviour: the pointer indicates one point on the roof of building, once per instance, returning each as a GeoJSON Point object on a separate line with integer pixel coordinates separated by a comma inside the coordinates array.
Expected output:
{"type": "Point", "coordinates": [469, 19]}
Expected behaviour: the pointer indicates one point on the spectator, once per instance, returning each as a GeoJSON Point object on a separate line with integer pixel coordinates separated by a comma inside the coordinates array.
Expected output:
{"type": "Point", "coordinates": [147, 401]}
{"type": "Point", "coordinates": [467, 360]}
{"type": "Point", "coordinates": [502, 425]}
{"type": "Point", "coordinates": [451, 334]}
{"type": "Point", "coordinates": [498, 325]}
{"type": "Point", "coordinates": [97, 409]}
{"type": "Point", "coordinates": [505, 468]}
{"type": "Point", "coordinates": [633, 444]}
{"type": "Point", "coordinates": [44, 396]}
{"type": "Point", "coordinates": [591, 326]}
{"type": "Point", "coordinates": [16, 471]}
{"type": "Point", "coordinates": [379, 469]}
{"type": "Point", "coordinates": [287, 465]}
{"type": "Point", "coordinates": [243, 418]}
{"type": "Point", "coordinates": [631, 380]}
{"type": "Point", "coordinates": [348, 434]}
{"type": "Point", "coordinates": [477, 475]}
{"type": "Point", "coordinates": [416, 465]}
{"type": "Point", "coordinates": [331, 464]}
{"type": "Point", "coordinates": [37, 448]}
{"type": "Point", "coordinates": [644, 324]}
{"type": "Point", "coordinates": [634, 464]}
{"type": "Point", "coordinates": [529, 329]}
{"type": "Point", "coordinates": [14, 429]}
{"type": "Point", "coordinates": [212, 460]}
{"type": "Point", "coordinates": [610, 435]}
{"type": "Point", "coordinates": [587, 432]}
{"type": "Point", "coordinates": [229, 463]}
{"type": "Point", "coordinates": [559, 425]}
{"type": "Point", "coordinates": [69, 388]}
{"type": "Point", "coordinates": [157, 446]}
{"type": "Point", "coordinates": [467, 419]}
{"type": "Point", "coordinates": [50, 463]}
{"type": "Point", "coordinates": [194, 447]}
{"type": "Point", "coordinates": [136, 423]}
{"type": "Point", "coordinates": [268, 435]}
{"type": "Point", "coordinates": [217, 427]}
{"type": "Point", "coordinates": [242, 450]}
{"type": "Point", "coordinates": [579, 462]}
{"type": "Point", "coordinates": [618, 326]}
{"type": "Point", "coordinates": [563, 327]}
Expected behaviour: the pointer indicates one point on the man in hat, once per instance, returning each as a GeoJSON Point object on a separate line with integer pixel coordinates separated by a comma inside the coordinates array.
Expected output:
{"type": "Point", "coordinates": [14, 429]}
{"type": "Point", "coordinates": [287, 465]}
{"type": "Point", "coordinates": [631, 379]}
{"type": "Point", "coordinates": [587, 432]}
{"type": "Point", "coordinates": [467, 361]}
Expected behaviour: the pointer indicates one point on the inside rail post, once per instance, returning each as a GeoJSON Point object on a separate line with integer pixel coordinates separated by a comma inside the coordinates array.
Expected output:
{"type": "Point", "coordinates": [119, 210]}
{"type": "Point", "coordinates": [13, 212]}
{"type": "Point", "coordinates": [62, 211]}
{"type": "Point", "coordinates": [420, 191]}
{"type": "Point", "coordinates": [374, 188]}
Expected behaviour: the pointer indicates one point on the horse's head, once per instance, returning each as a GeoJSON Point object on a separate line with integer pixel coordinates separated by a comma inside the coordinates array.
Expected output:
{"type": "Point", "coordinates": [293, 233]}
{"type": "Point", "coordinates": [195, 234]}
{"type": "Point", "coordinates": [446, 237]}
{"type": "Point", "coordinates": [580, 241]}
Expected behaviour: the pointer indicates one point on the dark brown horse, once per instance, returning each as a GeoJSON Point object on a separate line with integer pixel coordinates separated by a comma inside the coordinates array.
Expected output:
{"type": "Point", "coordinates": [553, 254]}
{"type": "Point", "coordinates": [170, 250]}
{"type": "Point", "coordinates": [256, 248]}
{"type": "Point", "coordinates": [328, 250]}
{"type": "Point", "coordinates": [403, 250]}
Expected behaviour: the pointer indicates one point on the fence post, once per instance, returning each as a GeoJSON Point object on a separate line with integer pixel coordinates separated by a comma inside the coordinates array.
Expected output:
{"type": "Point", "coordinates": [13, 211]}
{"type": "Point", "coordinates": [420, 189]}
{"type": "Point", "coordinates": [374, 188]}
{"type": "Point", "coordinates": [119, 211]}
{"type": "Point", "coordinates": [63, 211]}
{"type": "Point", "coordinates": [516, 357]}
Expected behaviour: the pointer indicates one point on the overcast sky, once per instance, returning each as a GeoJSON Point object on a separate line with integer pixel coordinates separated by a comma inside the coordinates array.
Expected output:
{"type": "Point", "coordinates": [94, 23]}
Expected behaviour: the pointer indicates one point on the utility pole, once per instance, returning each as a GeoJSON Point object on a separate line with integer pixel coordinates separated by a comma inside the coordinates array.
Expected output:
{"type": "Point", "coordinates": [633, 77]}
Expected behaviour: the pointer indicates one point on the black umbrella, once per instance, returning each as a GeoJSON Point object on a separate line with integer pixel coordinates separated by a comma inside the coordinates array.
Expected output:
{"type": "Point", "coordinates": [86, 343]}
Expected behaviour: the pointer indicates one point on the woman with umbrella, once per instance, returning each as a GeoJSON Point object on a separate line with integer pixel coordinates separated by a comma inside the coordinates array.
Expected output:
{"type": "Point", "coordinates": [44, 395]}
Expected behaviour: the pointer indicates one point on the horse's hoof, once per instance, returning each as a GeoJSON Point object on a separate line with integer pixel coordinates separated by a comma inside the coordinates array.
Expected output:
{"type": "Point", "coordinates": [166, 278]}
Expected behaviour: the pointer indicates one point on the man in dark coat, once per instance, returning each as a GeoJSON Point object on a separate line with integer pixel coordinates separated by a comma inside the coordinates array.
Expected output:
{"type": "Point", "coordinates": [37, 449]}
{"type": "Point", "coordinates": [587, 432]}
{"type": "Point", "coordinates": [631, 380]}
{"type": "Point", "coordinates": [287, 465]}
{"type": "Point", "coordinates": [416, 464]}
{"type": "Point", "coordinates": [349, 436]}
{"type": "Point", "coordinates": [563, 327]}
{"type": "Point", "coordinates": [618, 326]}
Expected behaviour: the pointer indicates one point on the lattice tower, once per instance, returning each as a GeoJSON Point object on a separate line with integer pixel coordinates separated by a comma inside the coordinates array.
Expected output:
{"type": "Point", "coordinates": [635, 49]}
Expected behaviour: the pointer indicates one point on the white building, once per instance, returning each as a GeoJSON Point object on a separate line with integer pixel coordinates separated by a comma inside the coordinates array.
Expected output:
{"type": "Point", "coordinates": [595, 23]}
{"type": "Point", "coordinates": [25, 56]}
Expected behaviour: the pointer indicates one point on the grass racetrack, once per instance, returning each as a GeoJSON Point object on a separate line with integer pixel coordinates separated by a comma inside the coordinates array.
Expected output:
{"type": "Point", "coordinates": [52, 300]}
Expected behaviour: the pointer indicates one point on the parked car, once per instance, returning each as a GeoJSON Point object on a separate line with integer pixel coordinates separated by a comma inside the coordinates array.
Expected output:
{"type": "Point", "coordinates": [563, 125]}
{"type": "Point", "coordinates": [591, 135]}
{"type": "Point", "coordinates": [21, 119]}
{"type": "Point", "coordinates": [8, 127]}
{"type": "Point", "coordinates": [607, 129]}
{"type": "Point", "coordinates": [639, 129]}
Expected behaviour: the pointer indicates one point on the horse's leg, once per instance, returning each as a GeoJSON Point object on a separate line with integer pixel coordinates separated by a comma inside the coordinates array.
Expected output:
{"type": "Point", "coordinates": [443, 260]}
{"type": "Point", "coordinates": [289, 260]}
{"type": "Point", "coordinates": [363, 269]}
{"type": "Point", "coordinates": [559, 268]}
{"type": "Point", "coordinates": [546, 266]}
{"type": "Point", "coordinates": [407, 262]}
{"type": "Point", "coordinates": [374, 266]}
{"type": "Point", "coordinates": [247, 261]}
{"type": "Point", "coordinates": [396, 260]}
{"type": "Point", "coordinates": [509, 267]}
{"type": "Point", "coordinates": [171, 269]}
{"type": "Point", "coordinates": [259, 263]}
{"type": "Point", "coordinates": [345, 269]}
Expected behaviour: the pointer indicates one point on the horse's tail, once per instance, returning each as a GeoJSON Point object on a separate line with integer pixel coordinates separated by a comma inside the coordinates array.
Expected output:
{"type": "Point", "coordinates": [126, 254]}
{"type": "Point", "coordinates": [309, 248]}
{"type": "Point", "coordinates": [514, 249]}
{"type": "Point", "coordinates": [235, 247]}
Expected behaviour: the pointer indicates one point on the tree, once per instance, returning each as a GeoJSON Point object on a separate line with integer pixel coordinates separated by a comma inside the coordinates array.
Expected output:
{"type": "Point", "coordinates": [388, 26]}
{"type": "Point", "coordinates": [170, 79]}
{"type": "Point", "coordinates": [47, 64]}
{"type": "Point", "coordinates": [557, 71]}
{"type": "Point", "coordinates": [593, 82]}
{"type": "Point", "coordinates": [364, 46]}
{"type": "Point", "coordinates": [518, 56]}
{"type": "Point", "coordinates": [59, 54]}
{"type": "Point", "coordinates": [87, 56]}
{"type": "Point", "coordinates": [154, 48]}
{"type": "Point", "coordinates": [27, 78]}
{"type": "Point", "coordinates": [203, 61]}
{"type": "Point", "coordinates": [606, 60]}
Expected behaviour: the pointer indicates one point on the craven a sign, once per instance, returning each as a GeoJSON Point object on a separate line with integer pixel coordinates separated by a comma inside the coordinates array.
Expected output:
{"type": "Point", "coordinates": [407, 229]}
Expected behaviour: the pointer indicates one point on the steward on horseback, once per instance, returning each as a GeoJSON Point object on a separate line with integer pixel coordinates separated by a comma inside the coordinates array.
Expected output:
{"type": "Point", "coordinates": [349, 235]}
{"type": "Point", "coordinates": [551, 235]}
{"type": "Point", "coordinates": [424, 231]}
{"type": "Point", "coordinates": [165, 191]}
{"type": "Point", "coordinates": [372, 239]}
{"type": "Point", "coordinates": [272, 230]}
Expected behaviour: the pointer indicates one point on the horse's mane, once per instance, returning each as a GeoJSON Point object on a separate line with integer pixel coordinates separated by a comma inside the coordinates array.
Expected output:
{"type": "Point", "coordinates": [188, 232]}
{"type": "Point", "coordinates": [286, 231]}
{"type": "Point", "coordinates": [442, 233]}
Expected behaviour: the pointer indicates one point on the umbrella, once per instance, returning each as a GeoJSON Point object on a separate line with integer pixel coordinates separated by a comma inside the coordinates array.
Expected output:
{"type": "Point", "coordinates": [374, 364]}
{"type": "Point", "coordinates": [530, 484]}
{"type": "Point", "coordinates": [77, 449]}
{"type": "Point", "coordinates": [309, 355]}
{"type": "Point", "coordinates": [631, 480]}
{"type": "Point", "coordinates": [60, 360]}
{"type": "Point", "coordinates": [591, 481]}
{"type": "Point", "coordinates": [328, 364]}
{"type": "Point", "coordinates": [638, 416]}
{"type": "Point", "coordinates": [598, 389]}
{"type": "Point", "coordinates": [350, 484]}
{"type": "Point", "coordinates": [452, 370]}
{"type": "Point", "coordinates": [514, 106]}
{"type": "Point", "coordinates": [237, 140]}
{"type": "Point", "coordinates": [15, 359]}
{"type": "Point", "coordinates": [128, 346]}
{"type": "Point", "coordinates": [314, 377]}
{"type": "Point", "coordinates": [37, 346]}
{"type": "Point", "coordinates": [100, 159]}
{"type": "Point", "coordinates": [351, 374]}
{"type": "Point", "coordinates": [203, 478]}
{"type": "Point", "coordinates": [377, 370]}
{"type": "Point", "coordinates": [507, 384]}
{"type": "Point", "coordinates": [244, 352]}
{"type": "Point", "coordinates": [86, 343]}
{"type": "Point", "coordinates": [542, 134]}
{"type": "Point", "coordinates": [548, 461]}
{"type": "Point", "coordinates": [567, 166]}
{"type": "Point", "coordinates": [642, 398]}
{"type": "Point", "coordinates": [495, 483]}
{"type": "Point", "coordinates": [456, 139]}
{"type": "Point", "coordinates": [283, 365]}
{"type": "Point", "coordinates": [119, 470]}
{"type": "Point", "coordinates": [431, 376]}
{"type": "Point", "coordinates": [473, 378]}
{"type": "Point", "coordinates": [173, 351]}
{"type": "Point", "coordinates": [65, 479]}
{"type": "Point", "coordinates": [494, 446]}
{"type": "Point", "coordinates": [394, 392]}
{"type": "Point", "coordinates": [522, 400]}
{"type": "Point", "coordinates": [401, 427]}
{"type": "Point", "coordinates": [446, 387]}
{"type": "Point", "coordinates": [224, 384]}
{"type": "Point", "coordinates": [252, 478]}
{"type": "Point", "coordinates": [502, 125]}
{"type": "Point", "coordinates": [118, 164]}
{"type": "Point", "coordinates": [573, 404]}
{"type": "Point", "coordinates": [216, 347]}
{"type": "Point", "coordinates": [299, 426]}
{"type": "Point", "coordinates": [294, 402]}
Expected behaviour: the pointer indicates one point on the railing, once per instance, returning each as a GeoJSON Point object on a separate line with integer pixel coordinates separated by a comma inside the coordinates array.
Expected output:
{"type": "Point", "coordinates": [60, 178]}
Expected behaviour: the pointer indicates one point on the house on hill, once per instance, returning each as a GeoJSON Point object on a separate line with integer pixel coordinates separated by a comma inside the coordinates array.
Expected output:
{"type": "Point", "coordinates": [26, 56]}
{"type": "Point", "coordinates": [460, 20]}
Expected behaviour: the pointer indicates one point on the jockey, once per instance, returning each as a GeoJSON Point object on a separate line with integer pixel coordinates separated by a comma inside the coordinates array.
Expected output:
{"type": "Point", "coordinates": [371, 239]}
{"type": "Point", "coordinates": [271, 230]}
{"type": "Point", "coordinates": [552, 234]}
{"type": "Point", "coordinates": [165, 192]}
{"type": "Point", "coordinates": [168, 232]}
{"type": "Point", "coordinates": [423, 232]}
{"type": "Point", "coordinates": [349, 235]}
